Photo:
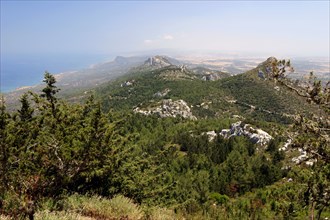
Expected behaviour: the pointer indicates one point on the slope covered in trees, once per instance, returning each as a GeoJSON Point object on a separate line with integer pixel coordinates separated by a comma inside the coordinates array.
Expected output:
{"type": "Point", "coordinates": [246, 94]}
{"type": "Point", "coordinates": [60, 157]}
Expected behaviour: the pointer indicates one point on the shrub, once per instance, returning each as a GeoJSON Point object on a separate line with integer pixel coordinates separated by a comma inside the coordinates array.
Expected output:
{"type": "Point", "coordinates": [98, 207]}
{"type": "Point", "coordinates": [158, 213]}
{"type": "Point", "coordinates": [59, 215]}
{"type": "Point", "coordinates": [218, 198]}
{"type": "Point", "coordinates": [123, 206]}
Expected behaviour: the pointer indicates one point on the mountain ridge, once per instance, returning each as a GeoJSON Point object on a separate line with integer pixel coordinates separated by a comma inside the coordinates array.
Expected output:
{"type": "Point", "coordinates": [253, 95]}
{"type": "Point", "coordinates": [127, 67]}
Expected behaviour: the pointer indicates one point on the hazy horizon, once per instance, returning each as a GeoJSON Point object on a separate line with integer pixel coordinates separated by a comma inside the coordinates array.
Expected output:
{"type": "Point", "coordinates": [283, 28]}
{"type": "Point", "coordinates": [61, 36]}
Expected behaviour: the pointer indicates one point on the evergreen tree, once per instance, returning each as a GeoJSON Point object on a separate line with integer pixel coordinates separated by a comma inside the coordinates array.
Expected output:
{"type": "Point", "coordinates": [25, 113]}
{"type": "Point", "coordinates": [312, 135]}
{"type": "Point", "coordinates": [3, 147]}
{"type": "Point", "coordinates": [50, 90]}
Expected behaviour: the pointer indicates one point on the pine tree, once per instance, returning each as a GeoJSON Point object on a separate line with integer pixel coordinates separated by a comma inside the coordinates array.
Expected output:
{"type": "Point", "coordinates": [25, 113]}
{"type": "Point", "coordinates": [313, 135]}
{"type": "Point", "coordinates": [3, 147]}
{"type": "Point", "coordinates": [50, 90]}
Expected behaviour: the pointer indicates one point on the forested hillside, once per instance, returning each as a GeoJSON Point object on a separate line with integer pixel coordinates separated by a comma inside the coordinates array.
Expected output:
{"type": "Point", "coordinates": [128, 152]}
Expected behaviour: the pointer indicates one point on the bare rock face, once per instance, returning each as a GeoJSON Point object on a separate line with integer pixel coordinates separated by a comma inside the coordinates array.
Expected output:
{"type": "Point", "coordinates": [211, 135]}
{"type": "Point", "coordinates": [214, 76]}
{"type": "Point", "coordinates": [157, 61]}
{"type": "Point", "coordinates": [169, 108]}
{"type": "Point", "coordinates": [302, 157]}
{"type": "Point", "coordinates": [209, 74]}
{"type": "Point", "coordinates": [257, 136]}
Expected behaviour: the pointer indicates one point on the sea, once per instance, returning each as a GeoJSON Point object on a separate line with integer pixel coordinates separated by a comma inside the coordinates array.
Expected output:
{"type": "Point", "coordinates": [27, 70]}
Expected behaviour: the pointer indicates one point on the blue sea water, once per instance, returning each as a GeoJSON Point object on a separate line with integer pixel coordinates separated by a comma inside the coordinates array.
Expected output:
{"type": "Point", "coordinates": [27, 70]}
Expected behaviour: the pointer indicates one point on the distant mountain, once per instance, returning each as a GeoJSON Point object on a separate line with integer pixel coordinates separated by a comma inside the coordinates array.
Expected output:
{"type": "Point", "coordinates": [99, 73]}
{"type": "Point", "coordinates": [76, 84]}
{"type": "Point", "coordinates": [248, 95]}
{"type": "Point", "coordinates": [157, 62]}
{"type": "Point", "coordinates": [127, 82]}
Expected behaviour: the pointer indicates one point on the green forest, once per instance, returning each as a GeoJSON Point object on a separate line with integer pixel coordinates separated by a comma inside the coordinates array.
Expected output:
{"type": "Point", "coordinates": [97, 159]}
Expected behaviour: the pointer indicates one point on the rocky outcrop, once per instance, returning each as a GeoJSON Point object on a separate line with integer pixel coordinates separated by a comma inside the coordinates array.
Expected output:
{"type": "Point", "coordinates": [286, 145]}
{"type": "Point", "coordinates": [157, 62]}
{"type": "Point", "coordinates": [209, 74]}
{"type": "Point", "coordinates": [267, 63]}
{"type": "Point", "coordinates": [127, 83]}
{"type": "Point", "coordinates": [265, 68]}
{"type": "Point", "coordinates": [162, 93]}
{"type": "Point", "coordinates": [257, 136]}
{"type": "Point", "coordinates": [176, 73]}
{"type": "Point", "coordinates": [302, 157]}
{"type": "Point", "coordinates": [211, 135]}
{"type": "Point", "coordinates": [261, 74]}
{"type": "Point", "coordinates": [169, 108]}
{"type": "Point", "coordinates": [214, 76]}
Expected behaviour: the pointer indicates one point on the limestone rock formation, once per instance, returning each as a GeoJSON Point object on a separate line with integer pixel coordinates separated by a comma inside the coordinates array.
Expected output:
{"type": "Point", "coordinates": [169, 108]}
{"type": "Point", "coordinates": [257, 136]}
{"type": "Point", "coordinates": [162, 93]}
{"type": "Point", "coordinates": [157, 61]}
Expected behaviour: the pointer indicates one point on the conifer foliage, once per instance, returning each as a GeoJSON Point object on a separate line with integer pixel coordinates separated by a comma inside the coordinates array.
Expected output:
{"type": "Point", "coordinates": [312, 135]}
{"type": "Point", "coordinates": [51, 149]}
{"type": "Point", "coordinates": [48, 150]}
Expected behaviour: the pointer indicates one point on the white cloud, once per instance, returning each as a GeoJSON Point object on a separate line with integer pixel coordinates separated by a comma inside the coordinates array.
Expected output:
{"type": "Point", "coordinates": [148, 41]}
{"type": "Point", "coordinates": [168, 37]}
{"type": "Point", "coordinates": [160, 40]}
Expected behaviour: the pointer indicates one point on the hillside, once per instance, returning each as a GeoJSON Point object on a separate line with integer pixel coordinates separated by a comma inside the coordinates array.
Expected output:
{"type": "Point", "coordinates": [247, 94]}
{"type": "Point", "coordinates": [161, 142]}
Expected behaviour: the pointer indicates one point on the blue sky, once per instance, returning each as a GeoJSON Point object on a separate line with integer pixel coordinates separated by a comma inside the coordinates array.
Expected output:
{"type": "Point", "coordinates": [285, 28]}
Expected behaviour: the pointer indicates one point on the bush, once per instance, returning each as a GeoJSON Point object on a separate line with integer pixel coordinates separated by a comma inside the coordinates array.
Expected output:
{"type": "Point", "coordinates": [59, 215]}
{"type": "Point", "coordinates": [123, 206]}
{"type": "Point", "coordinates": [158, 213]}
{"type": "Point", "coordinates": [191, 206]}
{"type": "Point", "coordinates": [98, 207]}
{"type": "Point", "coordinates": [218, 198]}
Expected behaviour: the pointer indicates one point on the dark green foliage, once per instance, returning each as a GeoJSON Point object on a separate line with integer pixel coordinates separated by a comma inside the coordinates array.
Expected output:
{"type": "Point", "coordinates": [55, 148]}
{"type": "Point", "coordinates": [4, 149]}
{"type": "Point", "coordinates": [46, 155]}
{"type": "Point", "coordinates": [25, 113]}
{"type": "Point", "coordinates": [152, 160]}
{"type": "Point", "coordinates": [263, 96]}
{"type": "Point", "coordinates": [49, 91]}
{"type": "Point", "coordinates": [219, 199]}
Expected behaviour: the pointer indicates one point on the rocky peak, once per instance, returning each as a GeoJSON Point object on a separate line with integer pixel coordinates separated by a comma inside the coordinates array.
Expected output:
{"type": "Point", "coordinates": [157, 61]}
{"type": "Point", "coordinates": [121, 60]}
{"type": "Point", "coordinates": [271, 60]}
{"type": "Point", "coordinates": [267, 63]}
{"type": "Point", "coordinates": [264, 68]}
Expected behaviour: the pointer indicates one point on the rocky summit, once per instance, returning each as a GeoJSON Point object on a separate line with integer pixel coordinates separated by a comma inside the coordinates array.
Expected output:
{"type": "Point", "coordinates": [157, 61]}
